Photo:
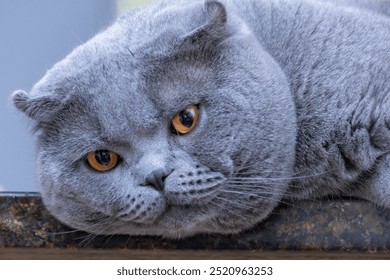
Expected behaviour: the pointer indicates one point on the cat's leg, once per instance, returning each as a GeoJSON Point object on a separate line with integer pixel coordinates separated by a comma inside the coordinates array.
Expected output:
{"type": "Point", "coordinates": [376, 186]}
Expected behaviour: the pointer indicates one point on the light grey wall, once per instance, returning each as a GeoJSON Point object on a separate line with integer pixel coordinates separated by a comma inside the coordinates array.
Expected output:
{"type": "Point", "coordinates": [34, 34]}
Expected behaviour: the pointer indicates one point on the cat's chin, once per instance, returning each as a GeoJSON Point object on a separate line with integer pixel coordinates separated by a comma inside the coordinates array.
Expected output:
{"type": "Point", "coordinates": [177, 222]}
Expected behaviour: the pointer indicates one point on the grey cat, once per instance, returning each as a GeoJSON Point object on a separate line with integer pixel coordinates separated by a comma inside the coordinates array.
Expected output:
{"type": "Point", "coordinates": [190, 117]}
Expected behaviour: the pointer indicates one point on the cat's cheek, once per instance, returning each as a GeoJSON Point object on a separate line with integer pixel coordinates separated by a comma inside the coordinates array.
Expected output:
{"type": "Point", "coordinates": [49, 173]}
{"type": "Point", "coordinates": [201, 148]}
{"type": "Point", "coordinates": [195, 187]}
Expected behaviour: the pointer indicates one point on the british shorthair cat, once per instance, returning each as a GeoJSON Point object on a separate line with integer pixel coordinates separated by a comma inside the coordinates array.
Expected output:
{"type": "Point", "coordinates": [189, 117]}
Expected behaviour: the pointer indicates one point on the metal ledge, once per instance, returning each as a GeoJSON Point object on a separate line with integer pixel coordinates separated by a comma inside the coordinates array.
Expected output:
{"type": "Point", "coordinates": [321, 228]}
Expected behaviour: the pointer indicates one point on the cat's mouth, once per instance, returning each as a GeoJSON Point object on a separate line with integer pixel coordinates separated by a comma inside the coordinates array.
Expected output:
{"type": "Point", "coordinates": [195, 189]}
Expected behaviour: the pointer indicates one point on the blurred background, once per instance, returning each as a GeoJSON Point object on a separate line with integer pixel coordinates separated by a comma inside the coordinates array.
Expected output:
{"type": "Point", "coordinates": [34, 35]}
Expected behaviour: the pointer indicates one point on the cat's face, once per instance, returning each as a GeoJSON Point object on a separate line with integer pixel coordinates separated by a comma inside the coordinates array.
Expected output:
{"type": "Point", "coordinates": [168, 126]}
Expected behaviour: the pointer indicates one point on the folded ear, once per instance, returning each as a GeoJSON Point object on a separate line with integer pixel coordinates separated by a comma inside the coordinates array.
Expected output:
{"type": "Point", "coordinates": [213, 31]}
{"type": "Point", "coordinates": [38, 108]}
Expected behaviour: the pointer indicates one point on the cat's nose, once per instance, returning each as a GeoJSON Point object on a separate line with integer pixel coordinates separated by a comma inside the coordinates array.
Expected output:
{"type": "Point", "coordinates": [157, 179]}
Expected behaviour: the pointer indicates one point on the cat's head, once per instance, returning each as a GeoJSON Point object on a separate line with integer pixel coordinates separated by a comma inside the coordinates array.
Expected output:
{"type": "Point", "coordinates": [174, 121]}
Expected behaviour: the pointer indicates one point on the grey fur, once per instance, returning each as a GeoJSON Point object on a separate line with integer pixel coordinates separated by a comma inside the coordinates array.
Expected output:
{"type": "Point", "coordinates": [294, 98]}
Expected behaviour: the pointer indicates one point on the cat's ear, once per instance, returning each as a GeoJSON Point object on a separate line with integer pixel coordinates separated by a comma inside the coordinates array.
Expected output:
{"type": "Point", "coordinates": [39, 108]}
{"type": "Point", "coordinates": [214, 30]}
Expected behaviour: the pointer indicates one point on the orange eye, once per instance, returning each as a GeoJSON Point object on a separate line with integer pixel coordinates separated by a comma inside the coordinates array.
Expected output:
{"type": "Point", "coordinates": [102, 160]}
{"type": "Point", "coordinates": [186, 120]}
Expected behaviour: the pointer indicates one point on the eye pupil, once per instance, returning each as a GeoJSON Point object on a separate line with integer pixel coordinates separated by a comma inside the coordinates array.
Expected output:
{"type": "Point", "coordinates": [103, 157]}
{"type": "Point", "coordinates": [187, 117]}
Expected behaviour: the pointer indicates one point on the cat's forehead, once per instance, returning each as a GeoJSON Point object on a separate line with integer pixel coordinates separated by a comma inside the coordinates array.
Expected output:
{"type": "Point", "coordinates": [129, 74]}
{"type": "Point", "coordinates": [134, 44]}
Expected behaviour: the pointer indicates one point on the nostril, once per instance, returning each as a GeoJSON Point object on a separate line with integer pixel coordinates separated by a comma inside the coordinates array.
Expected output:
{"type": "Point", "coordinates": [157, 179]}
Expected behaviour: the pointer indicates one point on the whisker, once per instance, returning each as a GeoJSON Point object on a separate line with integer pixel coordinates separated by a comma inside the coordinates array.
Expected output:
{"type": "Point", "coordinates": [128, 240]}
{"type": "Point", "coordinates": [98, 229]}
{"type": "Point", "coordinates": [65, 232]}
{"type": "Point", "coordinates": [245, 170]}
{"type": "Point", "coordinates": [254, 189]}
{"type": "Point", "coordinates": [249, 192]}
{"type": "Point", "coordinates": [237, 203]}
{"type": "Point", "coordinates": [281, 178]}
{"type": "Point", "coordinates": [220, 206]}
{"type": "Point", "coordinates": [72, 231]}
{"type": "Point", "coordinates": [255, 183]}
{"type": "Point", "coordinates": [86, 240]}
{"type": "Point", "coordinates": [263, 195]}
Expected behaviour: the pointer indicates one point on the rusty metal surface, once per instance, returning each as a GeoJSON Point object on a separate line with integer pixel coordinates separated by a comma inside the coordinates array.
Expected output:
{"type": "Point", "coordinates": [330, 225]}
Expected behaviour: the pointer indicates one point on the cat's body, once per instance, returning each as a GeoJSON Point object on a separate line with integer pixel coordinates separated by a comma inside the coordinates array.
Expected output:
{"type": "Point", "coordinates": [293, 100]}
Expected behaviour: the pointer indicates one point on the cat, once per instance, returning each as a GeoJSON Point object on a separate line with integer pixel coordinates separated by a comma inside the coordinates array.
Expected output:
{"type": "Point", "coordinates": [377, 6]}
{"type": "Point", "coordinates": [188, 117]}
